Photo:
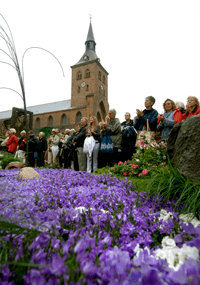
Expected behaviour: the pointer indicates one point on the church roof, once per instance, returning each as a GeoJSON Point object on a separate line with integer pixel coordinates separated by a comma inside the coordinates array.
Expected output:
{"type": "Point", "coordinates": [41, 109]}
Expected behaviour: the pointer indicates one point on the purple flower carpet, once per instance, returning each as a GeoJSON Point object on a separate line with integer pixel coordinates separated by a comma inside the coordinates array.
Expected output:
{"type": "Point", "coordinates": [71, 227]}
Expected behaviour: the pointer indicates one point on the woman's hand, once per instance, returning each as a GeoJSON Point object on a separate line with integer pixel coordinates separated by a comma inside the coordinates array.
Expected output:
{"type": "Point", "coordinates": [139, 113]}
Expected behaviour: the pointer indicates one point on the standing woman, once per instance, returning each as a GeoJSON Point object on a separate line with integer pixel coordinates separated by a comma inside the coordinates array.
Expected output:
{"type": "Point", "coordinates": [12, 141]}
{"type": "Point", "coordinates": [167, 119]}
{"type": "Point", "coordinates": [93, 129]}
{"type": "Point", "coordinates": [192, 107]}
{"type": "Point", "coordinates": [148, 113]}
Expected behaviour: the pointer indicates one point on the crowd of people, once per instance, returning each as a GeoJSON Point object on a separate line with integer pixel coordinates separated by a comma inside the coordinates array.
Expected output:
{"type": "Point", "coordinates": [81, 148]}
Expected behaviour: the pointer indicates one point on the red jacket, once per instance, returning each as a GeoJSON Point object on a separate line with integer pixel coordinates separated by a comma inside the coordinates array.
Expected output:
{"type": "Point", "coordinates": [179, 116]}
{"type": "Point", "coordinates": [12, 143]}
{"type": "Point", "coordinates": [196, 111]}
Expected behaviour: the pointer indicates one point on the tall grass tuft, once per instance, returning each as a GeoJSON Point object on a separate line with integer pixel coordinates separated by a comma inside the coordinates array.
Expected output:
{"type": "Point", "coordinates": [169, 184]}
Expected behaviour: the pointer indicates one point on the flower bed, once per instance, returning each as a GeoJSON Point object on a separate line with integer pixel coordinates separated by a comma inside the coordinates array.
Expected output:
{"type": "Point", "coordinates": [148, 159]}
{"type": "Point", "coordinates": [75, 228]}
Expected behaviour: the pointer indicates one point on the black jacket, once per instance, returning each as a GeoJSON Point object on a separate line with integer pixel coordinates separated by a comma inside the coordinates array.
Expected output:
{"type": "Point", "coordinates": [42, 144]}
{"type": "Point", "coordinates": [32, 143]}
{"type": "Point", "coordinates": [80, 137]}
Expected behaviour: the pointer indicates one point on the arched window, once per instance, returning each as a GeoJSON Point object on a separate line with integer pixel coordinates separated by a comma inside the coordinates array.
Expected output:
{"type": "Point", "coordinates": [50, 121]}
{"type": "Point", "coordinates": [87, 88]}
{"type": "Point", "coordinates": [78, 117]}
{"type": "Point", "coordinates": [63, 119]}
{"type": "Point", "coordinates": [37, 123]}
{"type": "Point", "coordinates": [99, 75]}
{"type": "Point", "coordinates": [99, 117]}
{"type": "Point", "coordinates": [79, 89]}
{"type": "Point", "coordinates": [99, 89]}
{"type": "Point", "coordinates": [87, 73]}
{"type": "Point", "coordinates": [79, 76]}
{"type": "Point", "coordinates": [104, 80]}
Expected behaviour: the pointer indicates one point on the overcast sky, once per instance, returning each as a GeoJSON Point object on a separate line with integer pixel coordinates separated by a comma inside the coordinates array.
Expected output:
{"type": "Point", "coordinates": [148, 47]}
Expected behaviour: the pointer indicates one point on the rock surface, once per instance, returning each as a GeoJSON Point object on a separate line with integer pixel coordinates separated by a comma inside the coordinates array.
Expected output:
{"type": "Point", "coordinates": [14, 164]}
{"type": "Point", "coordinates": [183, 147]}
{"type": "Point", "coordinates": [28, 173]}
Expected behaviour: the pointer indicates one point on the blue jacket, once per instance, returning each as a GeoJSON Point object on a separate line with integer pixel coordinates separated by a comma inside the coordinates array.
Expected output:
{"type": "Point", "coordinates": [168, 124]}
{"type": "Point", "coordinates": [151, 115]}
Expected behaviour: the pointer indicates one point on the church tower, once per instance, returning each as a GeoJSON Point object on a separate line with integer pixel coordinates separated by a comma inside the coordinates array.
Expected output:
{"type": "Point", "coordinates": [90, 82]}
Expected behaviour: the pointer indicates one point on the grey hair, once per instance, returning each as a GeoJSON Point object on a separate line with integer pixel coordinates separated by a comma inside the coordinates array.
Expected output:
{"type": "Point", "coordinates": [180, 104]}
{"type": "Point", "coordinates": [42, 133]}
{"type": "Point", "coordinates": [152, 99]}
{"type": "Point", "coordinates": [13, 130]}
{"type": "Point", "coordinates": [113, 111]}
{"type": "Point", "coordinates": [23, 132]}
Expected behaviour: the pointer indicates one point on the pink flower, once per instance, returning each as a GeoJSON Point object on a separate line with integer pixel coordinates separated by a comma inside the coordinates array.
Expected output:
{"type": "Point", "coordinates": [140, 174]}
{"type": "Point", "coordinates": [149, 164]}
{"type": "Point", "coordinates": [136, 166]}
{"type": "Point", "coordinates": [125, 162]}
{"type": "Point", "coordinates": [154, 166]}
{"type": "Point", "coordinates": [162, 163]}
{"type": "Point", "coordinates": [112, 169]}
{"type": "Point", "coordinates": [119, 163]}
{"type": "Point", "coordinates": [145, 172]}
{"type": "Point", "coordinates": [132, 166]}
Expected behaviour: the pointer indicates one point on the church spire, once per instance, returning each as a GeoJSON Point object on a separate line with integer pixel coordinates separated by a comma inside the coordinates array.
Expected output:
{"type": "Point", "coordinates": [90, 41]}
{"type": "Point", "coordinates": [89, 54]}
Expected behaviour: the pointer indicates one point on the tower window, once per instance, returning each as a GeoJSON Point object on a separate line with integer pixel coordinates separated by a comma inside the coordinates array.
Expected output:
{"type": "Point", "coordinates": [87, 73]}
{"type": "Point", "coordinates": [87, 88]}
{"type": "Point", "coordinates": [79, 89]}
{"type": "Point", "coordinates": [79, 76]}
{"type": "Point", "coordinates": [104, 80]}
{"type": "Point", "coordinates": [99, 75]}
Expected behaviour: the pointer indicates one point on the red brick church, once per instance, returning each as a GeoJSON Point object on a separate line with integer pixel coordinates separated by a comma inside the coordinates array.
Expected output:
{"type": "Point", "coordinates": [89, 95]}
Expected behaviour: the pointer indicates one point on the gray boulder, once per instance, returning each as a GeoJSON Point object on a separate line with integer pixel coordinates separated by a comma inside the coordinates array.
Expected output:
{"type": "Point", "coordinates": [28, 173]}
{"type": "Point", "coordinates": [183, 147]}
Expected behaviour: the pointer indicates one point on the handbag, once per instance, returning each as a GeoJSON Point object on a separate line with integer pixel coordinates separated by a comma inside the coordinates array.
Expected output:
{"type": "Point", "coordinates": [145, 134]}
{"type": "Point", "coordinates": [88, 145]}
{"type": "Point", "coordinates": [106, 144]}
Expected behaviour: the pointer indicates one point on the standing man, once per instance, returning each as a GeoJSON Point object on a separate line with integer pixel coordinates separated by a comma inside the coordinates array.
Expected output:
{"type": "Point", "coordinates": [78, 140]}
{"type": "Point", "coordinates": [113, 127]}
{"type": "Point", "coordinates": [32, 145]}
{"type": "Point", "coordinates": [41, 149]}
{"type": "Point", "coordinates": [129, 135]}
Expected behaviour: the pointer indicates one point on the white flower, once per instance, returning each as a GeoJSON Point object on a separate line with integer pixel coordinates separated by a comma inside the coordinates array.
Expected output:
{"type": "Point", "coordinates": [189, 218]}
{"type": "Point", "coordinates": [164, 215]}
{"type": "Point", "coordinates": [159, 253]}
{"type": "Point", "coordinates": [187, 251]}
{"type": "Point", "coordinates": [81, 209]}
{"type": "Point", "coordinates": [168, 242]}
{"type": "Point", "coordinates": [104, 211]}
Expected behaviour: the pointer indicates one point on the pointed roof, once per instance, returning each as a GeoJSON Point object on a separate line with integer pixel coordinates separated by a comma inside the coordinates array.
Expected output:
{"type": "Point", "coordinates": [90, 36]}
{"type": "Point", "coordinates": [89, 54]}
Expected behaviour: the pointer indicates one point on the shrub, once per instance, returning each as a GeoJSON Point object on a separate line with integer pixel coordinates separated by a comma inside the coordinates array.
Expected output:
{"type": "Point", "coordinates": [7, 158]}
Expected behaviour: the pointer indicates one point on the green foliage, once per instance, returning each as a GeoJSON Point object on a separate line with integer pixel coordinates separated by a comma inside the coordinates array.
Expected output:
{"type": "Point", "coordinates": [46, 131]}
{"type": "Point", "coordinates": [169, 184]}
{"type": "Point", "coordinates": [7, 158]}
{"type": "Point", "coordinates": [2, 136]}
